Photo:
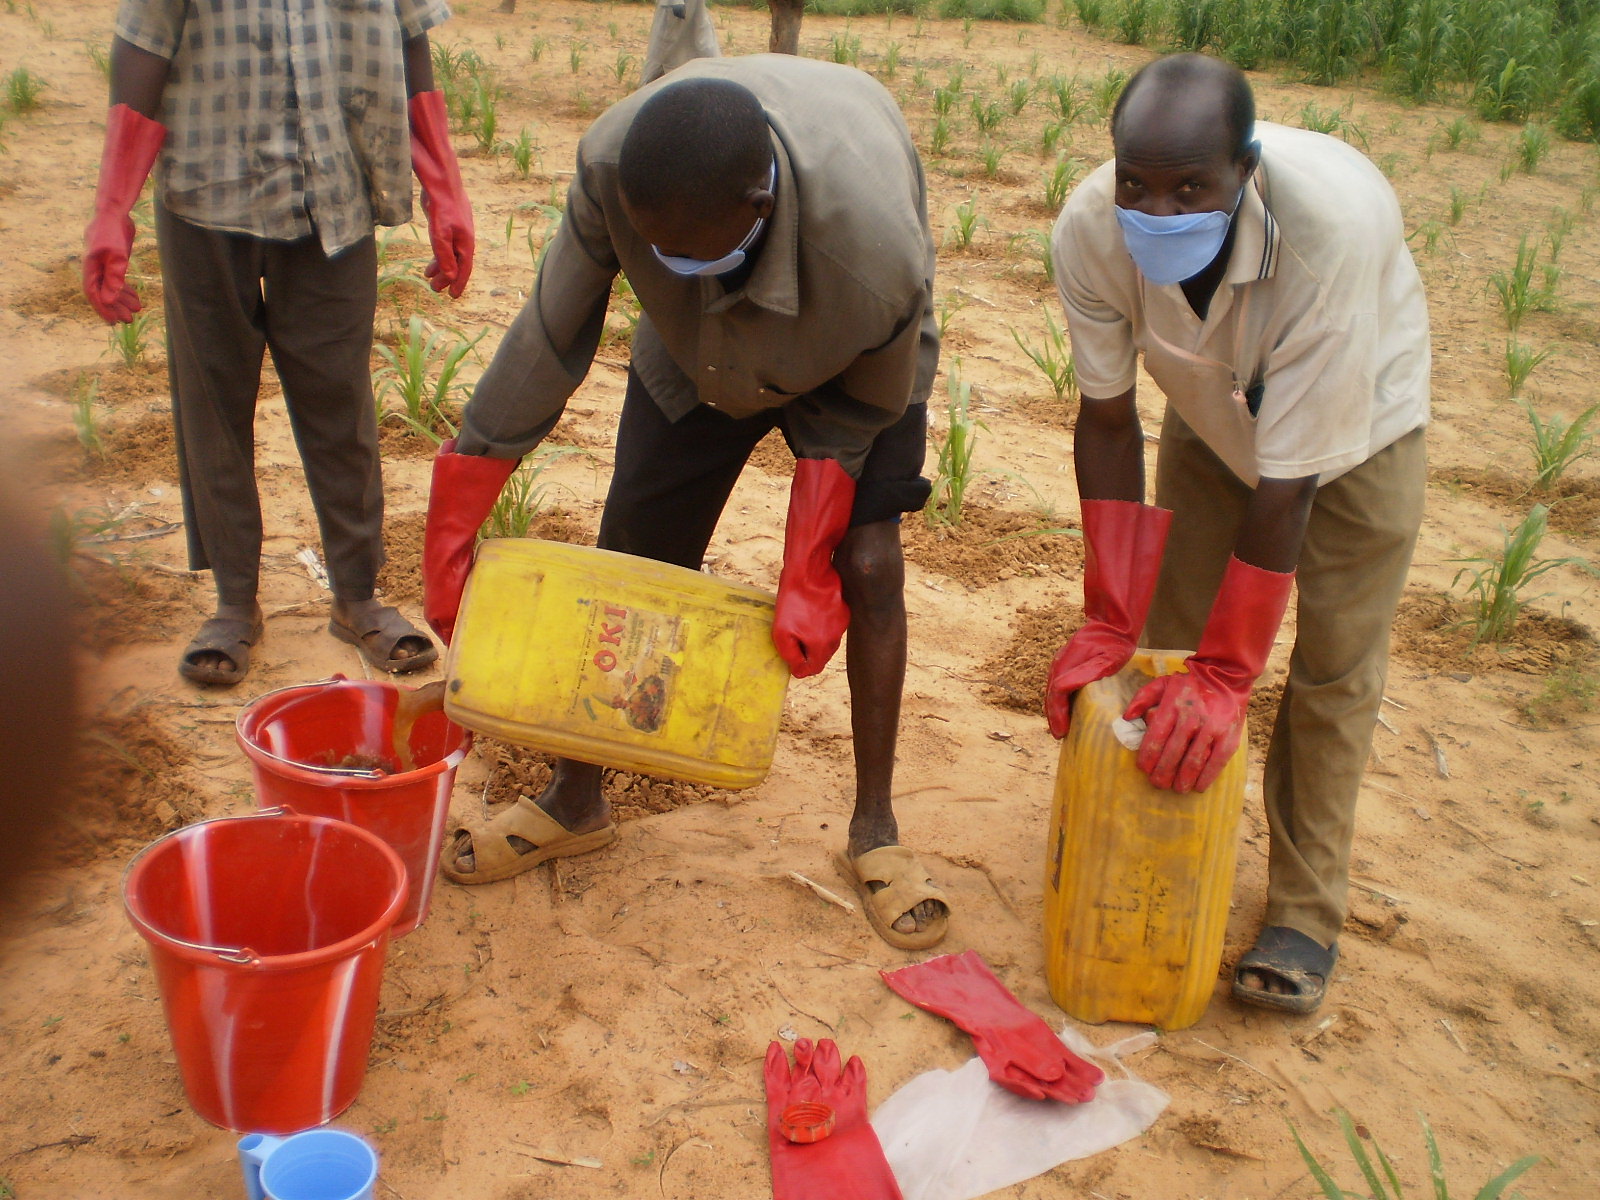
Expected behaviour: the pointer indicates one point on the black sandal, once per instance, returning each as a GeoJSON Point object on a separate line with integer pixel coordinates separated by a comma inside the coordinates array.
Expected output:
{"type": "Point", "coordinates": [378, 632]}
{"type": "Point", "coordinates": [230, 639]}
{"type": "Point", "coordinates": [1295, 959]}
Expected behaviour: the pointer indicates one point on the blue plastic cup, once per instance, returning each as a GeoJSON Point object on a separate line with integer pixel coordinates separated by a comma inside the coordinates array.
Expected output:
{"type": "Point", "coordinates": [319, 1164]}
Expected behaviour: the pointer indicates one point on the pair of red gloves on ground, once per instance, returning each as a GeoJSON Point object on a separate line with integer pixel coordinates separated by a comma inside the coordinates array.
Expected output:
{"type": "Point", "coordinates": [133, 141]}
{"type": "Point", "coordinates": [811, 615]}
{"type": "Point", "coordinates": [1194, 719]}
{"type": "Point", "coordinates": [846, 1162]}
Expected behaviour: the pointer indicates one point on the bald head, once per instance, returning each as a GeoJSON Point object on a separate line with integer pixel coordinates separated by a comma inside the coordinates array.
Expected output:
{"type": "Point", "coordinates": [1189, 100]}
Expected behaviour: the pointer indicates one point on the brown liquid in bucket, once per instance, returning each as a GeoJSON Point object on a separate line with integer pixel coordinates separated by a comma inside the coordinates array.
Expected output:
{"type": "Point", "coordinates": [409, 708]}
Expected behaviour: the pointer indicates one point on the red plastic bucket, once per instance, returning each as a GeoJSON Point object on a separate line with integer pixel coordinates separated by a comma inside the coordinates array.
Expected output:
{"type": "Point", "coordinates": [267, 934]}
{"type": "Point", "coordinates": [328, 748]}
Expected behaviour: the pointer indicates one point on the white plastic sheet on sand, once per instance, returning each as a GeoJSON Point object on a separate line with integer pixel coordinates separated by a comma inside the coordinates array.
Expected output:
{"type": "Point", "coordinates": [956, 1135]}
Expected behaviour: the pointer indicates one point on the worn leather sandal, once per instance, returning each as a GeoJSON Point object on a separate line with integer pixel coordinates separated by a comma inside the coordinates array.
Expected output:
{"type": "Point", "coordinates": [495, 856]}
{"type": "Point", "coordinates": [906, 884]}
{"type": "Point", "coordinates": [383, 629]}
{"type": "Point", "coordinates": [1293, 958]}
{"type": "Point", "coordinates": [230, 637]}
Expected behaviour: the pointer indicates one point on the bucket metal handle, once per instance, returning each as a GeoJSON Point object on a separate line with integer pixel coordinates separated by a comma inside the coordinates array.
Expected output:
{"type": "Point", "coordinates": [240, 954]}
{"type": "Point", "coordinates": [231, 954]}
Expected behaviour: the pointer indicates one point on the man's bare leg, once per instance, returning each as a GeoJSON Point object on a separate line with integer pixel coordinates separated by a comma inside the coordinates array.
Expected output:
{"type": "Point", "coordinates": [872, 568]}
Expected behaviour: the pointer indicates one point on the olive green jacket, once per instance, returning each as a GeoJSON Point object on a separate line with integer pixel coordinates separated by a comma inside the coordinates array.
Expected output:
{"type": "Point", "coordinates": [835, 321]}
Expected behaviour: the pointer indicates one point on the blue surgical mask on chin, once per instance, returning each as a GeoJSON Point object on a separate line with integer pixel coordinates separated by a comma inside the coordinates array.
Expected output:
{"type": "Point", "coordinates": [730, 261]}
{"type": "Point", "coordinates": [1172, 249]}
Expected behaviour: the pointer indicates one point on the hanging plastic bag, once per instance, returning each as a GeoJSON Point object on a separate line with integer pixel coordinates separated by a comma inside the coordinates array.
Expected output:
{"type": "Point", "coordinates": [955, 1135]}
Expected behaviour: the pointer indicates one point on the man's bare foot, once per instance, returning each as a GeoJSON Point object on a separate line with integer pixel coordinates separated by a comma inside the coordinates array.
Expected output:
{"type": "Point", "coordinates": [1263, 981]}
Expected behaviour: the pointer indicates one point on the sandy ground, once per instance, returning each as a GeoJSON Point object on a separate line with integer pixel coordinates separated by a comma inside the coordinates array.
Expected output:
{"type": "Point", "coordinates": [618, 1007]}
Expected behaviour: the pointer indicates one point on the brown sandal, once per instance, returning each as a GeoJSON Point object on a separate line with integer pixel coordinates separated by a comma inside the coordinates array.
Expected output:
{"type": "Point", "coordinates": [906, 885]}
{"type": "Point", "coordinates": [495, 856]}
{"type": "Point", "coordinates": [232, 638]}
{"type": "Point", "coordinates": [383, 631]}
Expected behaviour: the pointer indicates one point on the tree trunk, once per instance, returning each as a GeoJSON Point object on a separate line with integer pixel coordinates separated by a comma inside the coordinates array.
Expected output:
{"type": "Point", "coordinates": [785, 26]}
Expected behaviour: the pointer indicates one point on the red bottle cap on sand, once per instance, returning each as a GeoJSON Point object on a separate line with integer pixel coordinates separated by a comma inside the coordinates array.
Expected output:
{"type": "Point", "coordinates": [809, 1122]}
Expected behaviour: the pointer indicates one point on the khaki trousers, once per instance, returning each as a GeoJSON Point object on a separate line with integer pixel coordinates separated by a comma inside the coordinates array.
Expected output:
{"type": "Point", "coordinates": [1352, 567]}
{"type": "Point", "coordinates": [229, 298]}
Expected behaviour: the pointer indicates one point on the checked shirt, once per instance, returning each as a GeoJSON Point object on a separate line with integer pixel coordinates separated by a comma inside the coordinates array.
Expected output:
{"type": "Point", "coordinates": [285, 117]}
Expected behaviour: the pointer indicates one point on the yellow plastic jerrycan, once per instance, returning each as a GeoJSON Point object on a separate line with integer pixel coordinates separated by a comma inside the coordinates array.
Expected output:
{"type": "Point", "coordinates": [1137, 880]}
{"type": "Point", "coordinates": [617, 660]}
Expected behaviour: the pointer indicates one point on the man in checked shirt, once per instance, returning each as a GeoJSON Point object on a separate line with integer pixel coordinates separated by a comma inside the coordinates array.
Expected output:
{"type": "Point", "coordinates": [771, 215]}
{"type": "Point", "coordinates": [282, 135]}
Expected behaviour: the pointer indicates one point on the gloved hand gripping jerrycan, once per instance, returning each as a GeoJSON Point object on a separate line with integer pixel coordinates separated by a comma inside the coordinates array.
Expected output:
{"type": "Point", "coordinates": [1137, 879]}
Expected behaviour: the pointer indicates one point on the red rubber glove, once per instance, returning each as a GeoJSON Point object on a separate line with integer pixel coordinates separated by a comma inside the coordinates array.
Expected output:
{"type": "Point", "coordinates": [1022, 1054]}
{"type": "Point", "coordinates": [1194, 720]}
{"type": "Point", "coordinates": [132, 143]}
{"type": "Point", "coordinates": [1123, 543]}
{"type": "Point", "coordinates": [444, 198]}
{"type": "Point", "coordinates": [465, 487]}
{"type": "Point", "coordinates": [847, 1164]}
{"type": "Point", "coordinates": [812, 616]}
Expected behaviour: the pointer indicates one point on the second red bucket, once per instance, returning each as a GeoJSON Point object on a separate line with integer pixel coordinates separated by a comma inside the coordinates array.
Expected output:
{"type": "Point", "coordinates": [329, 748]}
{"type": "Point", "coordinates": [267, 933]}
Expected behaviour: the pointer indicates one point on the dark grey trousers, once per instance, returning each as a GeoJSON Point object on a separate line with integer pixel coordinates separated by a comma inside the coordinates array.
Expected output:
{"type": "Point", "coordinates": [228, 298]}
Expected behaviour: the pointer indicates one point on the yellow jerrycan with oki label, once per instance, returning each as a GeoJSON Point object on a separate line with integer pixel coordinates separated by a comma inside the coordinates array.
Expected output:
{"type": "Point", "coordinates": [1137, 880]}
{"type": "Point", "coordinates": [617, 660]}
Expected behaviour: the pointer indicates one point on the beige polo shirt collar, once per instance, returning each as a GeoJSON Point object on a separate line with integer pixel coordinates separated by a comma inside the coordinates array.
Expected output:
{"type": "Point", "coordinates": [1256, 240]}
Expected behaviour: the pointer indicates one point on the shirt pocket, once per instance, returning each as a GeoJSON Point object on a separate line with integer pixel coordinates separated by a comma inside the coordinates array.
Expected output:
{"type": "Point", "coordinates": [1197, 382]}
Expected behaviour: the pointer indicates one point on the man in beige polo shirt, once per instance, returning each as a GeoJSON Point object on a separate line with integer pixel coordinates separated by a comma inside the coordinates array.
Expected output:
{"type": "Point", "coordinates": [771, 215]}
{"type": "Point", "coordinates": [1262, 272]}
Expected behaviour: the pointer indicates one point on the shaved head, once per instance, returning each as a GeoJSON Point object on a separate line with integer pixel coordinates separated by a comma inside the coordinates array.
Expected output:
{"type": "Point", "coordinates": [695, 146]}
{"type": "Point", "coordinates": [1189, 99]}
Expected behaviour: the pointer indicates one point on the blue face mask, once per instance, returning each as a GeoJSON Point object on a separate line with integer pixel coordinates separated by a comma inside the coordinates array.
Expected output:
{"type": "Point", "coordinates": [1172, 249]}
{"type": "Point", "coordinates": [730, 261]}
